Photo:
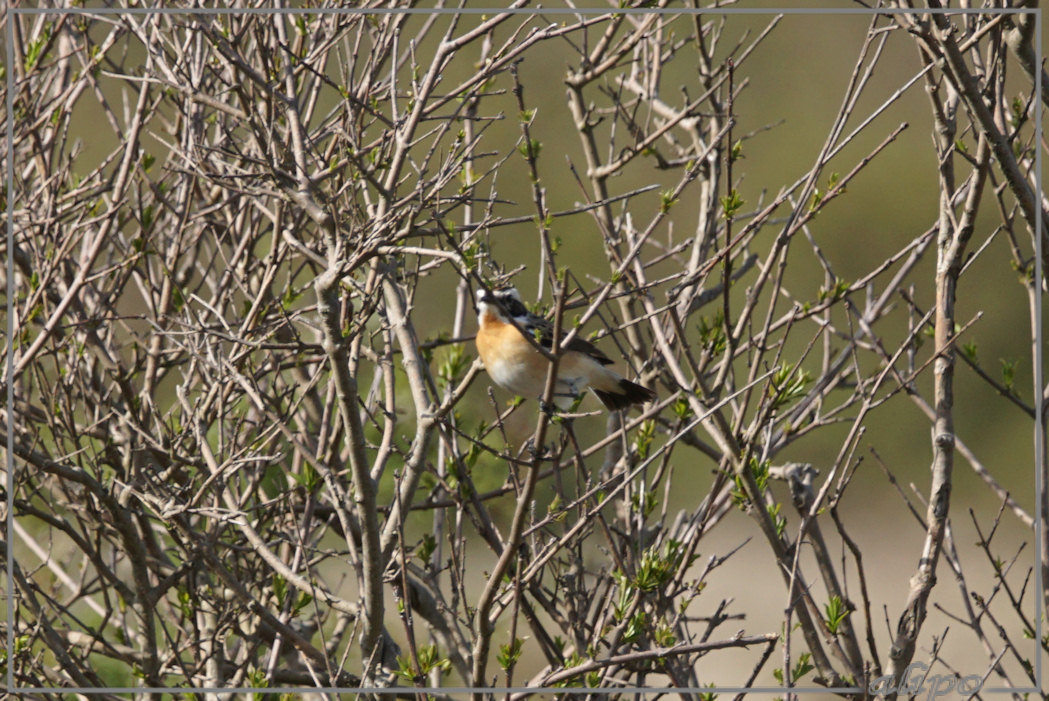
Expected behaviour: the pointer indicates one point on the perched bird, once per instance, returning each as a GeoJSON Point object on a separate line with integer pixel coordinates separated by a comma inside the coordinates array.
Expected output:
{"type": "Point", "coordinates": [515, 364]}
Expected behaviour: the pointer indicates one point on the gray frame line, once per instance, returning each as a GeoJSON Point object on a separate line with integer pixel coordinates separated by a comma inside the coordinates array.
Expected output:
{"type": "Point", "coordinates": [524, 11]}
{"type": "Point", "coordinates": [1037, 379]}
{"type": "Point", "coordinates": [445, 689]}
{"type": "Point", "coordinates": [9, 524]}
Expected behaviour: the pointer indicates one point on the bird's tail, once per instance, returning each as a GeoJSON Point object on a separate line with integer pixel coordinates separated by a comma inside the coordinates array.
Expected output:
{"type": "Point", "coordinates": [624, 394]}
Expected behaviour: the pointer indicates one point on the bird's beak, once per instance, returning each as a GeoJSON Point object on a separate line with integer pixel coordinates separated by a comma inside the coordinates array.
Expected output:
{"type": "Point", "coordinates": [482, 299]}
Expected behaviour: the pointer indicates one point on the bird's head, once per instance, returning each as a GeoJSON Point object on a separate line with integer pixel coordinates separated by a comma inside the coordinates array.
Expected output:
{"type": "Point", "coordinates": [503, 303]}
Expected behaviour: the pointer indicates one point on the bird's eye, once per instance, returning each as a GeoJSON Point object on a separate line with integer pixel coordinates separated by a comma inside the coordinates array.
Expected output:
{"type": "Point", "coordinates": [514, 307]}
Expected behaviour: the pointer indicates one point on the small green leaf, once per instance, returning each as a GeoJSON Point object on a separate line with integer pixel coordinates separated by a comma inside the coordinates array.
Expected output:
{"type": "Point", "coordinates": [429, 660]}
{"type": "Point", "coordinates": [305, 599]}
{"type": "Point", "coordinates": [1009, 373]}
{"type": "Point", "coordinates": [803, 666]}
{"type": "Point", "coordinates": [177, 300]}
{"type": "Point", "coordinates": [666, 201]}
{"type": "Point", "coordinates": [682, 409]}
{"type": "Point", "coordinates": [712, 334]}
{"type": "Point", "coordinates": [759, 470]}
{"type": "Point", "coordinates": [787, 385]}
{"type": "Point", "coordinates": [635, 629]}
{"type": "Point", "coordinates": [645, 434]}
{"type": "Point", "coordinates": [530, 149]}
{"type": "Point", "coordinates": [32, 55]}
{"type": "Point", "coordinates": [737, 151]}
{"type": "Point", "coordinates": [664, 635]}
{"type": "Point", "coordinates": [835, 612]}
{"type": "Point", "coordinates": [147, 216]}
{"type": "Point", "coordinates": [453, 364]}
{"type": "Point", "coordinates": [509, 654]}
{"type": "Point", "coordinates": [778, 520]}
{"type": "Point", "coordinates": [731, 204]}
{"type": "Point", "coordinates": [309, 478]}
{"type": "Point", "coordinates": [426, 548]}
{"type": "Point", "coordinates": [280, 588]}
{"type": "Point", "coordinates": [1018, 110]}
{"type": "Point", "coordinates": [658, 566]}
{"type": "Point", "coordinates": [834, 292]}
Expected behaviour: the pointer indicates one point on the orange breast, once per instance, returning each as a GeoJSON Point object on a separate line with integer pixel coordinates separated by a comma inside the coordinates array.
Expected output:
{"type": "Point", "coordinates": [509, 358]}
{"type": "Point", "coordinates": [514, 364]}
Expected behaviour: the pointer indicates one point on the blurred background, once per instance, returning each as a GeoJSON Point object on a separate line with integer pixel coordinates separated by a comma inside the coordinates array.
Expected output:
{"type": "Point", "coordinates": [791, 88]}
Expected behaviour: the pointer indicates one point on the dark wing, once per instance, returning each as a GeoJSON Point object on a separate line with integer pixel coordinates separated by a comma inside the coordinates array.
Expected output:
{"type": "Point", "coordinates": [531, 324]}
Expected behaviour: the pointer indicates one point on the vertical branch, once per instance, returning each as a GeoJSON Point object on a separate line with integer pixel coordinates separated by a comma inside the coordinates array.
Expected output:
{"type": "Point", "coordinates": [531, 152]}
{"type": "Point", "coordinates": [728, 210]}
{"type": "Point", "coordinates": [334, 344]}
{"type": "Point", "coordinates": [415, 368]}
{"type": "Point", "coordinates": [953, 235]}
{"type": "Point", "coordinates": [483, 624]}
{"type": "Point", "coordinates": [326, 287]}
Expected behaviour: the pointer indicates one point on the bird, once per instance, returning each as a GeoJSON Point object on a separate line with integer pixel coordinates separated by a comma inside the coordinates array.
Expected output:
{"type": "Point", "coordinates": [515, 364]}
